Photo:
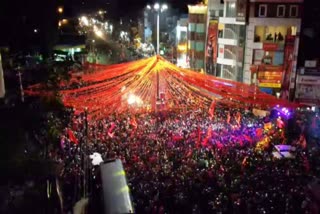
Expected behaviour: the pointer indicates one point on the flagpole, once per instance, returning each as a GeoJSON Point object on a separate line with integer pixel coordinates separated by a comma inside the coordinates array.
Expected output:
{"type": "Point", "coordinates": [2, 86]}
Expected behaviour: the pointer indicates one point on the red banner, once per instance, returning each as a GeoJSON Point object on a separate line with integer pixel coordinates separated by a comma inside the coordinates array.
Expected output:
{"type": "Point", "coordinates": [270, 46]}
{"type": "Point", "coordinates": [212, 43]}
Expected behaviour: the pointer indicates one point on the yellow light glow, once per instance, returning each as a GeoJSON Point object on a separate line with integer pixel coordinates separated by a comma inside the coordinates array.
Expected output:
{"type": "Point", "coordinates": [124, 189]}
{"type": "Point", "coordinates": [131, 99]}
{"type": "Point", "coordinates": [99, 33]}
{"type": "Point", "coordinates": [197, 9]}
{"type": "Point", "coordinates": [122, 172]}
{"type": "Point", "coordinates": [60, 9]}
{"type": "Point", "coordinates": [85, 20]}
{"type": "Point", "coordinates": [182, 48]}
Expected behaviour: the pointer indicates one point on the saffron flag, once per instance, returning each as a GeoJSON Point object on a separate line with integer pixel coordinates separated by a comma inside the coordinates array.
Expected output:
{"type": "Point", "coordinates": [133, 122]}
{"type": "Point", "coordinates": [206, 139]}
{"type": "Point", "coordinates": [238, 118]}
{"type": "Point", "coordinates": [228, 118]}
{"type": "Point", "coordinates": [211, 109]}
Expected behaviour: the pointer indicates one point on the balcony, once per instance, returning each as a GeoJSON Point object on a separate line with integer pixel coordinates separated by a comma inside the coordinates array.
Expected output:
{"type": "Point", "coordinates": [225, 41]}
{"type": "Point", "coordinates": [226, 61]}
{"type": "Point", "coordinates": [230, 20]}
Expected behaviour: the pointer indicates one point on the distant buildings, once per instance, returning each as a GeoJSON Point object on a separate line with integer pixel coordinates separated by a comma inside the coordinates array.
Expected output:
{"type": "Point", "coordinates": [197, 28]}
{"type": "Point", "coordinates": [182, 42]}
{"type": "Point", "coordinates": [272, 44]}
{"type": "Point", "coordinates": [250, 41]}
{"type": "Point", "coordinates": [231, 43]}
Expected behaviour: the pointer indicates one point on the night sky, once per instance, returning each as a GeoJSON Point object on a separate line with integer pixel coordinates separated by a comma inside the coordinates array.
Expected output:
{"type": "Point", "coordinates": [18, 18]}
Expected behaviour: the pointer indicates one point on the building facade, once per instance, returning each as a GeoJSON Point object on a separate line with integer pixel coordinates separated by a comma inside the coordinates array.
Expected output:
{"type": "Point", "coordinates": [215, 10]}
{"type": "Point", "coordinates": [182, 42]}
{"type": "Point", "coordinates": [272, 43]}
{"type": "Point", "coordinates": [197, 36]}
{"type": "Point", "coordinates": [231, 42]}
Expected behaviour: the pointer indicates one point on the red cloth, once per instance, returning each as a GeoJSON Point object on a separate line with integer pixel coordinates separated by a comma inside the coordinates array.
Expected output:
{"type": "Point", "coordinates": [211, 109]}
{"type": "Point", "coordinates": [205, 141]}
{"type": "Point", "coordinates": [72, 137]}
{"type": "Point", "coordinates": [133, 122]}
{"type": "Point", "coordinates": [228, 118]}
{"type": "Point", "coordinates": [259, 132]}
{"type": "Point", "coordinates": [238, 118]}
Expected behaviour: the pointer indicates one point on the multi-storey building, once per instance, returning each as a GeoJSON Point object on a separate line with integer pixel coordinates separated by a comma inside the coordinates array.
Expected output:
{"type": "Point", "coordinates": [197, 36]}
{"type": "Point", "coordinates": [231, 43]}
{"type": "Point", "coordinates": [215, 10]}
{"type": "Point", "coordinates": [272, 43]}
{"type": "Point", "coordinates": [258, 42]}
{"type": "Point", "coordinates": [181, 42]}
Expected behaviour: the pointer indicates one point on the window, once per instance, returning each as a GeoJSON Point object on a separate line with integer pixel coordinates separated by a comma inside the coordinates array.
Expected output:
{"type": "Point", "coordinates": [231, 9]}
{"type": "Point", "coordinates": [262, 10]}
{"type": "Point", "coordinates": [281, 10]}
{"type": "Point", "coordinates": [293, 10]}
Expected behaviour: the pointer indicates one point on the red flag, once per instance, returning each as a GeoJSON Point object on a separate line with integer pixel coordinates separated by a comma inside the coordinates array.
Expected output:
{"type": "Point", "coordinates": [110, 130]}
{"type": "Point", "coordinates": [228, 118]}
{"type": "Point", "coordinates": [133, 122]}
{"type": "Point", "coordinates": [238, 118]}
{"type": "Point", "coordinates": [244, 161]}
{"type": "Point", "coordinates": [259, 132]}
{"type": "Point", "coordinates": [113, 125]}
{"type": "Point", "coordinates": [211, 109]}
{"type": "Point", "coordinates": [205, 141]}
{"type": "Point", "coordinates": [72, 137]}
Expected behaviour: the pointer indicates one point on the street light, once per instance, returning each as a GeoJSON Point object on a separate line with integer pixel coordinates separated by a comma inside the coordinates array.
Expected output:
{"type": "Point", "coordinates": [159, 9]}
{"type": "Point", "coordinates": [99, 33]}
{"type": "Point", "coordinates": [60, 10]}
{"type": "Point", "coordinates": [156, 6]}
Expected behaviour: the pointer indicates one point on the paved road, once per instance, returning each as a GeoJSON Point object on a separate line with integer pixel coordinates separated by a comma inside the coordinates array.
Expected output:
{"type": "Point", "coordinates": [109, 52]}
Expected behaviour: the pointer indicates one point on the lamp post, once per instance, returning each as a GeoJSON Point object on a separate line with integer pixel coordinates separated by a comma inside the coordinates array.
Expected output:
{"type": "Point", "coordinates": [158, 9]}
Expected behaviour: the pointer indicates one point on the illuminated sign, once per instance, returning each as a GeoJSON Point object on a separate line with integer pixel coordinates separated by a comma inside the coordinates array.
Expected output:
{"type": "Point", "coordinates": [270, 79]}
{"type": "Point", "coordinates": [270, 85]}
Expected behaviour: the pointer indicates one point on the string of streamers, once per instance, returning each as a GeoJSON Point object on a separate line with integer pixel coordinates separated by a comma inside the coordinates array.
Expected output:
{"type": "Point", "coordinates": [135, 86]}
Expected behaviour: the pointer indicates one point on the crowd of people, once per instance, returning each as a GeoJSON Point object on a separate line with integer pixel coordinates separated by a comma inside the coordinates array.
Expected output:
{"type": "Point", "coordinates": [190, 163]}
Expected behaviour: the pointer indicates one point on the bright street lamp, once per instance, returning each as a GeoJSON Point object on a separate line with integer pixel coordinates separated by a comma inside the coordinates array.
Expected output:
{"type": "Point", "coordinates": [156, 6]}
{"type": "Point", "coordinates": [99, 33]}
{"type": "Point", "coordinates": [159, 10]}
{"type": "Point", "coordinates": [60, 10]}
{"type": "Point", "coordinates": [84, 20]}
{"type": "Point", "coordinates": [164, 7]}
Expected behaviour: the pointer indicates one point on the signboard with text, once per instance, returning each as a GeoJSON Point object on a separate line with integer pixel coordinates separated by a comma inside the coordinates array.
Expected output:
{"type": "Point", "coordinates": [308, 89]}
{"type": "Point", "coordinates": [270, 79]}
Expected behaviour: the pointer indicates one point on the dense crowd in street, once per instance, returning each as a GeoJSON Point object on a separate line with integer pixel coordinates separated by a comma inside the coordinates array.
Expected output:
{"type": "Point", "coordinates": [191, 163]}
